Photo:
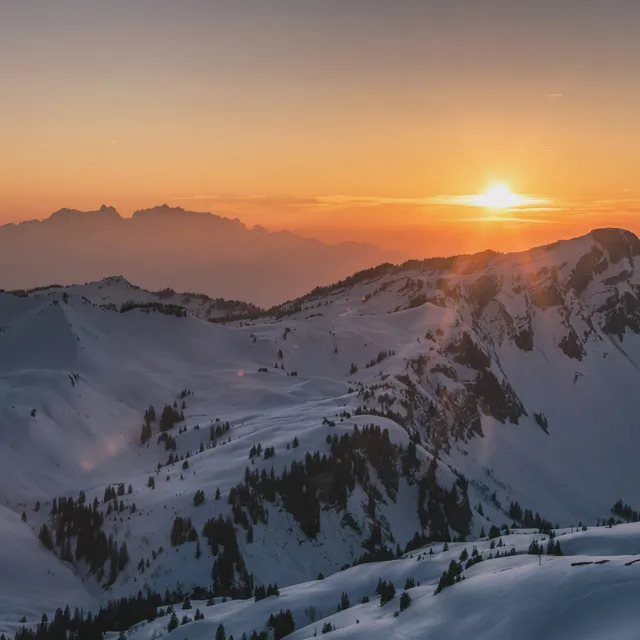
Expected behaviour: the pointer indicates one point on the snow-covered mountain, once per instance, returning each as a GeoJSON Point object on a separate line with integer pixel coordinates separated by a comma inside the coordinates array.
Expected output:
{"type": "Point", "coordinates": [170, 247]}
{"type": "Point", "coordinates": [405, 405]}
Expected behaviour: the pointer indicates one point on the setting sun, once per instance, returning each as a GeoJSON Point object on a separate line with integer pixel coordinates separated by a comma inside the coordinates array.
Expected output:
{"type": "Point", "coordinates": [499, 197]}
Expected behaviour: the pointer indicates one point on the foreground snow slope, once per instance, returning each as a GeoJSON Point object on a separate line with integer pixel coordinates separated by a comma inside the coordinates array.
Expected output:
{"type": "Point", "coordinates": [499, 599]}
{"type": "Point", "coordinates": [459, 355]}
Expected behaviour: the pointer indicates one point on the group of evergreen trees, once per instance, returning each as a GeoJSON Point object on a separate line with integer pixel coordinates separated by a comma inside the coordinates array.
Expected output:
{"type": "Point", "coordinates": [282, 624]}
{"type": "Point", "coordinates": [167, 309]}
{"type": "Point", "coordinates": [553, 547]}
{"type": "Point", "coordinates": [218, 430]}
{"type": "Point", "coordinates": [321, 479]}
{"type": "Point", "coordinates": [170, 416]}
{"type": "Point", "coordinates": [229, 573]}
{"type": "Point", "coordinates": [110, 493]}
{"type": "Point", "coordinates": [386, 591]}
{"type": "Point", "coordinates": [182, 531]}
{"type": "Point", "coordinates": [117, 615]}
{"type": "Point", "coordinates": [625, 511]}
{"type": "Point", "coordinates": [260, 592]}
{"type": "Point", "coordinates": [255, 451]}
{"type": "Point", "coordinates": [382, 355]}
{"type": "Point", "coordinates": [527, 519]}
{"type": "Point", "coordinates": [405, 601]}
{"type": "Point", "coordinates": [149, 417]}
{"type": "Point", "coordinates": [449, 577]}
{"type": "Point", "coordinates": [73, 520]}
{"type": "Point", "coordinates": [440, 509]}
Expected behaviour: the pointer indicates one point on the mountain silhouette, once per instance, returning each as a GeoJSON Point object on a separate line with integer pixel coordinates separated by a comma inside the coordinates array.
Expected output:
{"type": "Point", "coordinates": [170, 247]}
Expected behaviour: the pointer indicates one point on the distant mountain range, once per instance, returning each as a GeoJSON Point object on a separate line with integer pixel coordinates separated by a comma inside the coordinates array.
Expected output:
{"type": "Point", "coordinates": [170, 247]}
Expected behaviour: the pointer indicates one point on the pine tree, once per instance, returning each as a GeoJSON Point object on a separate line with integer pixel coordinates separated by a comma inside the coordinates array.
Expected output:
{"type": "Point", "coordinates": [186, 604]}
{"type": "Point", "coordinates": [405, 601]}
{"type": "Point", "coordinates": [173, 622]}
{"type": "Point", "coordinates": [145, 432]}
{"type": "Point", "coordinates": [494, 532]}
{"type": "Point", "coordinates": [220, 633]}
{"type": "Point", "coordinates": [123, 556]}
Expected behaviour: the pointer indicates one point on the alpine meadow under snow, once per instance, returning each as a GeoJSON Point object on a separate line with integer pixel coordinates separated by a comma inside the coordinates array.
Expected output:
{"type": "Point", "coordinates": [446, 448]}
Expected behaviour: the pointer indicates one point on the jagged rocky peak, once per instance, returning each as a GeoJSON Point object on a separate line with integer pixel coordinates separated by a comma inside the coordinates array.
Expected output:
{"type": "Point", "coordinates": [104, 213]}
{"type": "Point", "coordinates": [167, 213]}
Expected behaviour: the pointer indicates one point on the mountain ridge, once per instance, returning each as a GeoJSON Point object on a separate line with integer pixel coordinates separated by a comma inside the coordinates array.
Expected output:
{"type": "Point", "coordinates": [172, 247]}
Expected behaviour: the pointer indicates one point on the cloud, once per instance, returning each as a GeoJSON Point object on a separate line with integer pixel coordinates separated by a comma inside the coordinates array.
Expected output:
{"type": "Point", "coordinates": [368, 201]}
{"type": "Point", "coordinates": [510, 219]}
{"type": "Point", "coordinates": [520, 201]}
{"type": "Point", "coordinates": [290, 211]}
{"type": "Point", "coordinates": [554, 95]}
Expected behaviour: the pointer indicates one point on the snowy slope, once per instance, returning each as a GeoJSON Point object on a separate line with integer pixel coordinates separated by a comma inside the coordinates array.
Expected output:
{"type": "Point", "coordinates": [588, 596]}
{"type": "Point", "coordinates": [117, 291]}
{"type": "Point", "coordinates": [465, 351]}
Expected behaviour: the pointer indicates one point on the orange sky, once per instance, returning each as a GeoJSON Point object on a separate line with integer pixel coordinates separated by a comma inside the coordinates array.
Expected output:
{"type": "Point", "coordinates": [345, 122]}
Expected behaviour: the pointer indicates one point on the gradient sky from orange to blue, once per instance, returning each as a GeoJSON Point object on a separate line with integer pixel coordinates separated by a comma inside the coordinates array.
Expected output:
{"type": "Point", "coordinates": [338, 118]}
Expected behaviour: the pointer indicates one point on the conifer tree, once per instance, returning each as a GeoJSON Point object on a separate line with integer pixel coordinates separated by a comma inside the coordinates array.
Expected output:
{"type": "Point", "coordinates": [173, 622]}
{"type": "Point", "coordinates": [405, 601]}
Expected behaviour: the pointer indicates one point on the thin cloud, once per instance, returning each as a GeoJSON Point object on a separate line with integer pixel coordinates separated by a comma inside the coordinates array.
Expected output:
{"type": "Point", "coordinates": [210, 197]}
{"type": "Point", "coordinates": [511, 219]}
{"type": "Point", "coordinates": [554, 95]}
{"type": "Point", "coordinates": [473, 200]}
{"type": "Point", "coordinates": [367, 201]}
{"type": "Point", "coordinates": [538, 207]}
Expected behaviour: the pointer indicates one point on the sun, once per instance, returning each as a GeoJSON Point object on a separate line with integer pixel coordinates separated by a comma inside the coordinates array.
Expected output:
{"type": "Point", "coordinates": [499, 196]}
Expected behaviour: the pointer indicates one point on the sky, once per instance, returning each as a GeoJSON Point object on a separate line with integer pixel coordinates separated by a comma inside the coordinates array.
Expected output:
{"type": "Point", "coordinates": [343, 119]}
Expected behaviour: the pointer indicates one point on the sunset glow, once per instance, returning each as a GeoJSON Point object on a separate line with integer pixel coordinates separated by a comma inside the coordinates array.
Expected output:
{"type": "Point", "coordinates": [499, 197]}
{"type": "Point", "coordinates": [339, 121]}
